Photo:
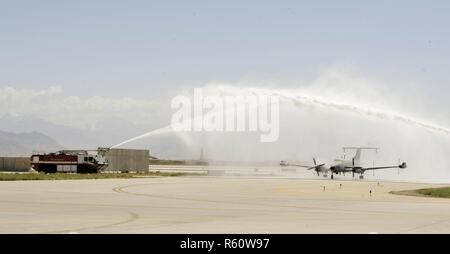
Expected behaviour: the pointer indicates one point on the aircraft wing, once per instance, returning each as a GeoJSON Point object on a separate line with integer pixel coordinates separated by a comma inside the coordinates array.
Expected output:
{"type": "Point", "coordinates": [308, 167]}
{"type": "Point", "coordinates": [403, 165]}
{"type": "Point", "coordinates": [302, 166]}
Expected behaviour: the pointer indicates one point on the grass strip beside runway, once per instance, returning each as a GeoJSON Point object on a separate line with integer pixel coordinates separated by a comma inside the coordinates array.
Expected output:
{"type": "Point", "coordinates": [436, 192]}
{"type": "Point", "coordinates": [442, 192]}
{"type": "Point", "coordinates": [67, 176]}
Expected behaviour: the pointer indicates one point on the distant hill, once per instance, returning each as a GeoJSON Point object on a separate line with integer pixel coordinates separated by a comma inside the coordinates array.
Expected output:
{"type": "Point", "coordinates": [67, 136]}
{"type": "Point", "coordinates": [109, 132]}
{"type": "Point", "coordinates": [23, 144]}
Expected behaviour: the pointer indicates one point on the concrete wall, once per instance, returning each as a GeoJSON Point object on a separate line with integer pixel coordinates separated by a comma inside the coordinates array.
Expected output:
{"type": "Point", "coordinates": [15, 164]}
{"type": "Point", "coordinates": [127, 160]}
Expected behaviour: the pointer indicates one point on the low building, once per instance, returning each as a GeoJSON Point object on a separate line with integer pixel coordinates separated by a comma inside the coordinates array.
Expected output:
{"type": "Point", "coordinates": [125, 160]}
{"type": "Point", "coordinates": [15, 164]}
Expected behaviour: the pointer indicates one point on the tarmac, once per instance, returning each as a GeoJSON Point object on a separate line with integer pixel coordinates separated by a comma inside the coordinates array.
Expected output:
{"type": "Point", "coordinates": [219, 204]}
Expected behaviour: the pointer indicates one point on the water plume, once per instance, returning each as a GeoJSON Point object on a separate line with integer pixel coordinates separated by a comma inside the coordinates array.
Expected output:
{"type": "Point", "coordinates": [314, 124]}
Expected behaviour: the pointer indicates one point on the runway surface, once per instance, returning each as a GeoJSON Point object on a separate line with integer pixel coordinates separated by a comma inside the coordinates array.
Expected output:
{"type": "Point", "coordinates": [221, 204]}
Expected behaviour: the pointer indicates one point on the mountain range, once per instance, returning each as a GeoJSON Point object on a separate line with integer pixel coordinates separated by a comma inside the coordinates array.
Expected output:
{"type": "Point", "coordinates": [24, 144]}
{"type": "Point", "coordinates": [25, 134]}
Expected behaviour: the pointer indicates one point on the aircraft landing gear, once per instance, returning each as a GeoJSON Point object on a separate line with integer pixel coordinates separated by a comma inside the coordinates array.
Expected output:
{"type": "Point", "coordinates": [361, 177]}
{"type": "Point", "coordinates": [332, 177]}
{"type": "Point", "coordinates": [325, 175]}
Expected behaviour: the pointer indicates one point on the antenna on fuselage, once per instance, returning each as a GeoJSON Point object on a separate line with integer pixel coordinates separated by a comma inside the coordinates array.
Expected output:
{"type": "Point", "coordinates": [357, 156]}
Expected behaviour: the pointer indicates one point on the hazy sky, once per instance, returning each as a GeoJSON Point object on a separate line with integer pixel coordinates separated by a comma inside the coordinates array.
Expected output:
{"type": "Point", "coordinates": [146, 48]}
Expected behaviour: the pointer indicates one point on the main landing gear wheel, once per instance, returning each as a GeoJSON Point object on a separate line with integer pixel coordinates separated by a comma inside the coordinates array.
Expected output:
{"type": "Point", "coordinates": [361, 177]}
{"type": "Point", "coordinates": [332, 177]}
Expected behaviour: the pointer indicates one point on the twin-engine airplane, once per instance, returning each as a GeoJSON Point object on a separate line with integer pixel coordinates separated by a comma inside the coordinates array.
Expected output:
{"type": "Point", "coordinates": [345, 166]}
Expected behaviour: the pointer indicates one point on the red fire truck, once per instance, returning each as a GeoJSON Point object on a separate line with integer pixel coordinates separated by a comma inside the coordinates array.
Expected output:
{"type": "Point", "coordinates": [68, 161]}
